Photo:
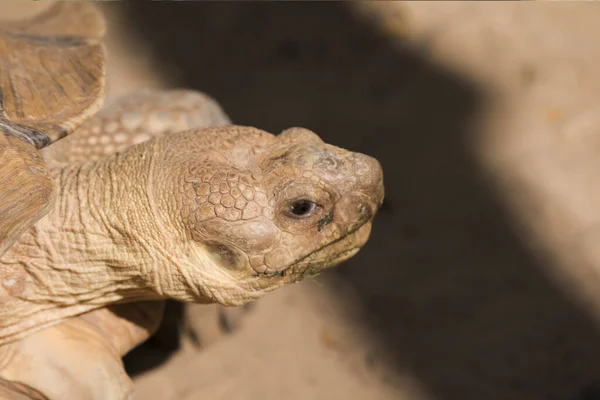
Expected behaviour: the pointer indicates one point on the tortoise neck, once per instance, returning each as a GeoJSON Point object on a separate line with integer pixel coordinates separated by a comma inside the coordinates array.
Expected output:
{"type": "Point", "coordinates": [92, 247]}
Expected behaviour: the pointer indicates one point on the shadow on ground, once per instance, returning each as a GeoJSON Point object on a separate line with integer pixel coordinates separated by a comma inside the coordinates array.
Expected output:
{"type": "Point", "coordinates": [445, 281]}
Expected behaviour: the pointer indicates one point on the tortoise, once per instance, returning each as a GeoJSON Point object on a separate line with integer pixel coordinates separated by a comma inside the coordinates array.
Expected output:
{"type": "Point", "coordinates": [158, 196]}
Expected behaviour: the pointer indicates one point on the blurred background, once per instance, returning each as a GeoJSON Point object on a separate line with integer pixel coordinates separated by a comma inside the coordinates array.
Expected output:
{"type": "Point", "coordinates": [481, 279]}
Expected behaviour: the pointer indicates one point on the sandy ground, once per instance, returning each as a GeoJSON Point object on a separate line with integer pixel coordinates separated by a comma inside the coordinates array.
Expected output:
{"type": "Point", "coordinates": [481, 279]}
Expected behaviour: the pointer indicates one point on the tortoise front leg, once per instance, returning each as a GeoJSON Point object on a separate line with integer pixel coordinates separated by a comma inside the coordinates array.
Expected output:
{"type": "Point", "coordinates": [79, 358]}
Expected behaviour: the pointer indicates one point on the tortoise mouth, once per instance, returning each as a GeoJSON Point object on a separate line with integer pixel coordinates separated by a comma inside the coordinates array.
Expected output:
{"type": "Point", "coordinates": [329, 255]}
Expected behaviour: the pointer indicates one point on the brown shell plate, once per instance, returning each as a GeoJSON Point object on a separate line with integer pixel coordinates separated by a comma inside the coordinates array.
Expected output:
{"type": "Point", "coordinates": [51, 72]}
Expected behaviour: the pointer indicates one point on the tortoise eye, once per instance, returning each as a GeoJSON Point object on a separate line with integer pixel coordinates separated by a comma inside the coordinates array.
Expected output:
{"type": "Point", "coordinates": [302, 208]}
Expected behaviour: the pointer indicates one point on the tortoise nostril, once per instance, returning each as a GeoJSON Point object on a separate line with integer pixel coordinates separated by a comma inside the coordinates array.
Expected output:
{"type": "Point", "coordinates": [354, 209]}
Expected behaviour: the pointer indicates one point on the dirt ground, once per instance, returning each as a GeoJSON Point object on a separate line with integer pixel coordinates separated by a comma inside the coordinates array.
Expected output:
{"type": "Point", "coordinates": [481, 279]}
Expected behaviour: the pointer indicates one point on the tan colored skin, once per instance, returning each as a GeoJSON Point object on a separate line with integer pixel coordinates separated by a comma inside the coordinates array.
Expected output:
{"type": "Point", "coordinates": [200, 216]}
{"type": "Point", "coordinates": [160, 220]}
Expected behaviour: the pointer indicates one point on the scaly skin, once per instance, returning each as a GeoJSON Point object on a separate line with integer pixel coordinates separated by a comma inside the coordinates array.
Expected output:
{"type": "Point", "coordinates": [156, 222]}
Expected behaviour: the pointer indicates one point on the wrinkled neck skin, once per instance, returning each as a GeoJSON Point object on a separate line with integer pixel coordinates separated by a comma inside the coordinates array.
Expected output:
{"type": "Point", "coordinates": [111, 242]}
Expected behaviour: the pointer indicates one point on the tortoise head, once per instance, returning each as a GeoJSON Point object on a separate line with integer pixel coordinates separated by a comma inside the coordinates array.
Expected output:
{"type": "Point", "coordinates": [257, 211]}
